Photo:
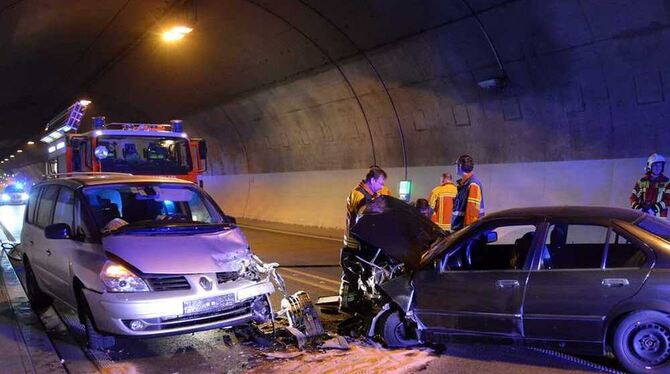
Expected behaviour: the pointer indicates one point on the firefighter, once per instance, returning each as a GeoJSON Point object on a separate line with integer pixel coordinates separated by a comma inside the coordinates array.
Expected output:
{"type": "Point", "coordinates": [441, 200]}
{"type": "Point", "coordinates": [651, 193]}
{"type": "Point", "coordinates": [469, 201]}
{"type": "Point", "coordinates": [367, 189]}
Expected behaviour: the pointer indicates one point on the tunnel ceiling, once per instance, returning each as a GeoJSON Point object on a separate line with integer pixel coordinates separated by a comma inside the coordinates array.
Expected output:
{"type": "Point", "coordinates": [282, 85]}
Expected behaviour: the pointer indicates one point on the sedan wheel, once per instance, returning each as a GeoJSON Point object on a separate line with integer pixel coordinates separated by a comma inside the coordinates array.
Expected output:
{"type": "Point", "coordinates": [394, 331]}
{"type": "Point", "coordinates": [642, 342]}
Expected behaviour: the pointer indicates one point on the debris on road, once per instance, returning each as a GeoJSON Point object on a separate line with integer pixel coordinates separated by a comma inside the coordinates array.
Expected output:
{"type": "Point", "coordinates": [282, 355]}
{"type": "Point", "coordinates": [338, 342]}
{"type": "Point", "coordinates": [358, 359]}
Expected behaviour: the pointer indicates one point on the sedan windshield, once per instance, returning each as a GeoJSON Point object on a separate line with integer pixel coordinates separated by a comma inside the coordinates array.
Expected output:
{"type": "Point", "coordinates": [149, 205]}
{"type": "Point", "coordinates": [656, 226]}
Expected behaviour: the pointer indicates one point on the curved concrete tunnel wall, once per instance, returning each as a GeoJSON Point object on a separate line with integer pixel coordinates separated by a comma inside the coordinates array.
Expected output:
{"type": "Point", "coordinates": [585, 104]}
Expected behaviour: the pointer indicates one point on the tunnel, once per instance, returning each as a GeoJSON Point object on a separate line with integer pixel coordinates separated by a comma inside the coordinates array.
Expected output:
{"type": "Point", "coordinates": [289, 103]}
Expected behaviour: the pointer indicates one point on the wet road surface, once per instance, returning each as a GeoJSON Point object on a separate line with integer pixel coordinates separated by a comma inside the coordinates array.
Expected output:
{"type": "Point", "coordinates": [308, 264]}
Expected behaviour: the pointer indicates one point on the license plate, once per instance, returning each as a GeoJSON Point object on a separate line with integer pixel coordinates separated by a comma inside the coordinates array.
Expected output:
{"type": "Point", "coordinates": [210, 304]}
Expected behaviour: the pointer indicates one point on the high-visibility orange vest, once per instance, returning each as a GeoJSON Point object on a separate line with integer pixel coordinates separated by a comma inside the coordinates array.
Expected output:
{"type": "Point", "coordinates": [442, 201]}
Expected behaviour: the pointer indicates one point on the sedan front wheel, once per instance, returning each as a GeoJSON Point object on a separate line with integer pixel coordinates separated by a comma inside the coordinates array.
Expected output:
{"type": "Point", "coordinates": [395, 332]}
{"type": "Point", "coordinates": [642, 342]}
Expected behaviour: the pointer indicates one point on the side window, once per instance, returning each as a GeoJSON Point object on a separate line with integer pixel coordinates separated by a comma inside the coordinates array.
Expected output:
{"type": "Point", "coordinates": [32, 204]}
{"type": "Point", "coordinates": [45, 209]}
{"type": "Point", "coordinates": [64, 212]}
{"type": "Point", "coordinates": [624, 254]}
{"type": "Point", "coordinates": [573, 246]}
{"type": "Point", "coordinates": [497, 247]}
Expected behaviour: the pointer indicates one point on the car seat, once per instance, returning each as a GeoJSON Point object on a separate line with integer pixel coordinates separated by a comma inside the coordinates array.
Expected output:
{"type": "Point", "coordinates": [130, 152]}
{"type": "Point", "coordinates": [520, 250]}
{"type": "Point", "coordinates": [107, 211]}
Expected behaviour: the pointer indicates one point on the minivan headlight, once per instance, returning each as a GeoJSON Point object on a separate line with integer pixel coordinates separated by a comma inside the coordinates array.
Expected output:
{"type": "Point", "coordinates": [119, 279]}
{"type": "Point", "coordinates": [5, 197]}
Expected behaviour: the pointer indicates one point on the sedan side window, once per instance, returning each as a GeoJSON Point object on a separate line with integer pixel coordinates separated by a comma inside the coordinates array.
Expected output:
{"type": "Point", "coordinates": [500, 247]}
{"type": "Point", "coordinates": [624, 254]}
{"type": "Point", "coordinates": [571, 246]}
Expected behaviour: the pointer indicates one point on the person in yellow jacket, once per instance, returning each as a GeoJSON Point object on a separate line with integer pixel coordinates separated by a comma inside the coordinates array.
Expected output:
{"type": "Point", "coordinates": [441, 200]}
{"type": "Point", "coordinates": [367, 190]}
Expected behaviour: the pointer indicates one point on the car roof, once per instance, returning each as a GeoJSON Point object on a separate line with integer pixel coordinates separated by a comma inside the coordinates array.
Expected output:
{"type": "Point", "coordinates": [622, 214]}
{"type": "Point", "coordinates": [96, 179]}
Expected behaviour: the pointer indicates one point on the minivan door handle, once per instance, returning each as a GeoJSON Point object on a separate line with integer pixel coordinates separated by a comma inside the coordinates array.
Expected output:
{"type": "Point", "coordinates": [48, 252]}
{"type": "Point", "coordinates": [507, 283]}
{"type": "Point", "coordinates": [615, 282]}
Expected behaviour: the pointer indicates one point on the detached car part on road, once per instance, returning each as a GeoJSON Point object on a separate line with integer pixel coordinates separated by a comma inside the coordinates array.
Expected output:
{"type": "Point", "coordinates": [141, 256]}
{"type": "Point", "coordinates": [583, 279]}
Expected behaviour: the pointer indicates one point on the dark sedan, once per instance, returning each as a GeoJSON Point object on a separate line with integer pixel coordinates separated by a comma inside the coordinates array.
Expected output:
{"type": "Point", "coordinates": [587, 279]}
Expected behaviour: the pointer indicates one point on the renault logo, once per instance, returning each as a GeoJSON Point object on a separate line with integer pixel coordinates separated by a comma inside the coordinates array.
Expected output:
{"type": "Point", "coordinates": [206, 283]}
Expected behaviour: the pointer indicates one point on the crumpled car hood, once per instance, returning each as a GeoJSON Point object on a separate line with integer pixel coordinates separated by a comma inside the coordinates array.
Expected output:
{"type": "Point", "coordinates": [181, 254]}
{"type": "Point", "coordinates": [397, 228]}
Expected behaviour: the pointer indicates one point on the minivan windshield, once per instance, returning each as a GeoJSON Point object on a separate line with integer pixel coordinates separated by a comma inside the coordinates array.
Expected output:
{"type": "Point", "coordinates": [149, 205]}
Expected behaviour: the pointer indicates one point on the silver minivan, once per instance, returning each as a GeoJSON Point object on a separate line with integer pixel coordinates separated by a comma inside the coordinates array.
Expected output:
{"type": "Point", "coordinates": [141, 256]}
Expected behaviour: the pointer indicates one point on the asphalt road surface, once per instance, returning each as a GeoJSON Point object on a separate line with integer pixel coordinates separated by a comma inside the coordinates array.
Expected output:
{"type": "Point", "coordinates": [308, 264]}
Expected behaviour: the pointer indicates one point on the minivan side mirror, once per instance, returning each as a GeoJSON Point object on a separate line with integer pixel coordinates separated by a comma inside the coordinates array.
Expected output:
{"type": "Point", "coordinates": [58, 231]}
{"type": "Point", "coordinates": [232, 219]}
{"type": "Point", "coordinates": [491, 237]}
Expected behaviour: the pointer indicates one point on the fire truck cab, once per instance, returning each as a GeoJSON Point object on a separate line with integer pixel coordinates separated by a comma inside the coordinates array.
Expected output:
{"type": "Point", "coordinates": [135, 148]}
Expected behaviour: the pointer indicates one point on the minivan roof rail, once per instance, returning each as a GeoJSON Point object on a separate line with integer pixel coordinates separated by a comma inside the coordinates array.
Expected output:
{"type": "Point", "coordinates": [83, 174]}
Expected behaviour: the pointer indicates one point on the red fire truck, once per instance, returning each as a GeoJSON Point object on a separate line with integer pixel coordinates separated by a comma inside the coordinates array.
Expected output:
{"type": "Point", "coordinates": [135, 148]}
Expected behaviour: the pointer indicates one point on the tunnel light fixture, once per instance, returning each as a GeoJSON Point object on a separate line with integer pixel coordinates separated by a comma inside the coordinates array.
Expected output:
{"type": "Point", "coordinates": [52, 149]}
{"type": "Point", "coordinates": [11, 156]}
{"type": "Point", "coordinates": [19, 151]}
{"type": "Point", "coordinates": [30, 142]}
{"type": "Point", "coordinates": [84, 102]}
{"type": "Point", "coordinates": [176, 33]}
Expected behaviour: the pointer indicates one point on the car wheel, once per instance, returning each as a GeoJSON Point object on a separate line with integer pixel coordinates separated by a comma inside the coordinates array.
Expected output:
{"type": "Point", "coordinates": [96, 340]}
{"type": "Point", "coordinates": [38, 299]}
{"type": "Point", "coordinates": [394, 331]}
{"type": "Point", "coordinates": [642, 342]}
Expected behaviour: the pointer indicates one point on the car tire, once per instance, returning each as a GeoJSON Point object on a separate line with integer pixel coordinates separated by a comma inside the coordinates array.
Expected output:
{"type": "Point", "coordinates": [96, 340]}
{"type": "Point", "coordinates": [642, 342]}
{"type": "Point", "coordinates": [394, 331]}
{"type": "Point", "coordinates": [38, 299]}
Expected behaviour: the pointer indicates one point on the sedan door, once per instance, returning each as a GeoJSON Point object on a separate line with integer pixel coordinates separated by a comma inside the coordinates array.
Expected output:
{"type": "Point", "coordinates": [583, 272]}
{"type": "Point", "coordinates": [478, 286]}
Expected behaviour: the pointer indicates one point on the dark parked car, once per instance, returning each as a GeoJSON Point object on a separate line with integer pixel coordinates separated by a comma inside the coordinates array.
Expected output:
{"type": "Point", "coordinates": [587, 279]}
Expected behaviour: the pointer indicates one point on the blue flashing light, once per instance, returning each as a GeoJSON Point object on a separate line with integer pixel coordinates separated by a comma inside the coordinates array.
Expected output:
{"type": "Point", "coordinates": [98, 122]}
{"type": "Point", "coordinates": [177, 125]}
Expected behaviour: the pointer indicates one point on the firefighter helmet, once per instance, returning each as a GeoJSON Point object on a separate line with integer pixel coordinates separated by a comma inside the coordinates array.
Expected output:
{"type": "Point", "coordinates": [654, 158]}
{"type": "Point", "coordinates": [466, 163]}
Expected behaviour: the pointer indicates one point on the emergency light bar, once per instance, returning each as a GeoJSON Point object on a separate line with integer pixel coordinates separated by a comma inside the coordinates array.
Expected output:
{"type": "Point", "coordinates": [173, 126]}
{"type": "Point", "coordinates": [68, 120]}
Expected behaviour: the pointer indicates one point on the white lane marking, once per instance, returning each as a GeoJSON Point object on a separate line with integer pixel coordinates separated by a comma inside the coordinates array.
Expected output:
{"type": "Point", "coordinates": [290, 233]}
{"type": "Point", "coordinates": [337, 283]}
{"type": "Point", "coordinates": [296, 279]}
